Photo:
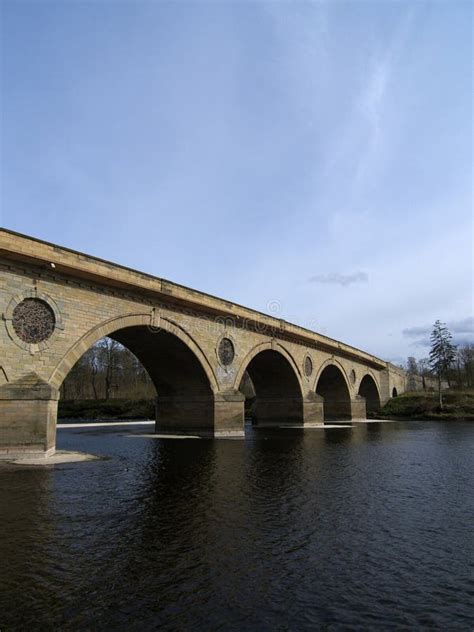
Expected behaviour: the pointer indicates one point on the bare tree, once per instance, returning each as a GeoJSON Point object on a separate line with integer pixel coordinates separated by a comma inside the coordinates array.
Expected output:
{"type": "Point", "coordinates": [466, 362]}
{"type": "Point", "coordinates": [109, 354]}
{"type": "Point", "coordinates": [94, 369]}
{"type": "Point", "coordinates": [412, 371]}
{"type": "Point", "coordinates": [108, 370]}
{"type": "Point", "coordinates": [424, 370]}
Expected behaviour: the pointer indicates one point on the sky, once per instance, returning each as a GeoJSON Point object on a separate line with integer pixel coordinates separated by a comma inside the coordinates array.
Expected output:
{"type": "Point", "coordinates": [311, 160]}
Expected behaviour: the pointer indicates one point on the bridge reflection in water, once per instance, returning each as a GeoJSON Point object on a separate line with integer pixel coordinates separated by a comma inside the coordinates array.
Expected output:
{"type": "Point", "coordinates": [294, 529]}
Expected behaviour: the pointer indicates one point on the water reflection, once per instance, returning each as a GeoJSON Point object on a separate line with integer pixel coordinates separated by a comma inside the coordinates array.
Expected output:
{"type": "Point", "coordinates": [286, 530]}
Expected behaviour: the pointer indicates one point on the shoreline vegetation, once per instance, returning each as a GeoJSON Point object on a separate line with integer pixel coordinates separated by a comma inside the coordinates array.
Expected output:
{"type": "Point", "coordinates": [417, 405]}
{"type": "Point", "coordinates": [106, 409]}
{"type": "Point", "coordinates": [424, 406]}
{"type": "Point", "coordinates": [112, 409]}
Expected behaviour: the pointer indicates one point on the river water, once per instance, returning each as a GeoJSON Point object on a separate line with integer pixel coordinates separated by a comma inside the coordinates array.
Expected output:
{"type": "Point", "coordinates": [346, 529]}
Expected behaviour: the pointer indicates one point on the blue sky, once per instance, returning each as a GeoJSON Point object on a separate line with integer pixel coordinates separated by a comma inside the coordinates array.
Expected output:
{"type": "Point", "coordinates": [307, 159]}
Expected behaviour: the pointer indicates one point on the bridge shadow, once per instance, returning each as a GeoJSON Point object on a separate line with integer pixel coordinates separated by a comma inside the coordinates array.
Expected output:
{"type": "Point", "coordinates": [333, 388]}
{"type": "Point", "coordinates": [272, 390]}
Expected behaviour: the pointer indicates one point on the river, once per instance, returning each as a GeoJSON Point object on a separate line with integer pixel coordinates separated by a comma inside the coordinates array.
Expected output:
{"type": "Point", "coordinates": [345, 529]}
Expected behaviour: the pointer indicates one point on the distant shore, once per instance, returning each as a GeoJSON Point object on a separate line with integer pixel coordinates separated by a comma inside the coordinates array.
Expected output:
{"type": "Point", "coordinates": [424, 405]}
{"type": "Point", "coordinates": [418, 405]}
{"type": "Point", "coordinates": [108, 409]}
{"type": "Point", "coordinates": [103, 409]}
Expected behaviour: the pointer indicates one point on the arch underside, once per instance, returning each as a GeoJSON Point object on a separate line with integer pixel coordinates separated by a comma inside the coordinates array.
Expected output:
{"type": "Point", "coordinates": [108, 328]}
{"type": "Point", "coordinates": [368, 389]}
{"type": "Point", "coordinates": [171, 365]}
{"type": "Point", "coordinates": [278, 397]}
{"type": "Point", "coordinates": [184, 396]}
{"type": "Point", "coordinates": [334, 390]}
{"type": "Point", "coordinates": [185, 399]}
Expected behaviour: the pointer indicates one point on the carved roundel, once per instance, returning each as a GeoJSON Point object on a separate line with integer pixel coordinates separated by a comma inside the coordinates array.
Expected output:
{"type": "Point", "coordinates": [33, 320]}
{"type": "Point", "coordinates": [308, 366]}
{"type": "Point", "coordinates": [226, 351]}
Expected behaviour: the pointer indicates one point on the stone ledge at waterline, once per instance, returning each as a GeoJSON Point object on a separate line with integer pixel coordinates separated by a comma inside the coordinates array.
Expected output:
{"type": "Point", "coordinates": [457, 405]}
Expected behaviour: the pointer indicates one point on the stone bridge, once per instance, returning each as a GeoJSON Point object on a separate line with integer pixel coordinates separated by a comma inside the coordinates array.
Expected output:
{"type": "Point", "coordinates": [56, 303]}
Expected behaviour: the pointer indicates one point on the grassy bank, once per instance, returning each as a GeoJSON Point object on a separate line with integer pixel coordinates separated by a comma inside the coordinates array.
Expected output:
{"type": "Point", "coordinates": [425, 405]}
{"type": "Point", "coordinates": [93, 409]}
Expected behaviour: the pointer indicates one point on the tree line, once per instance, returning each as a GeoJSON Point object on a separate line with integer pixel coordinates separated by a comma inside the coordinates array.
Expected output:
{"type": "Point", "coordinates": [446, 361]}
{"type": "Point", "coordinates": [108, 370]}
{"type": "Point", "coordinates": [459, 375]}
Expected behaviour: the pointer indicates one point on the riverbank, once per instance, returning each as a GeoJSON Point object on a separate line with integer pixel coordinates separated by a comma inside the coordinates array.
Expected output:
{"type": "Point", "coordinates": [103, 409]}
{"type": "Point", "coordinates": [424, 405]}
{"type": "Point", "coordinates": [92, 409]}
{"type": "Point", "coordinates": [420, 405]}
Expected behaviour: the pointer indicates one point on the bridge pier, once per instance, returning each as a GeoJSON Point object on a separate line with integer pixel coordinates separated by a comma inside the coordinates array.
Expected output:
{"type": "Point", "coordinates": [28, 413]}
{"type": "Point", "coordinates": [277, 411]}
{"type": "Point", "coordinates": [358, 407]}
{"type": "Point", "coordinates": [284, 411]}
{"type": "Point", "coordinates": [229, 414]}
{"type": "Point", "coordinates": [218, 415]}
{"type": "Point", "coordinates": [338, 409]}
{"type": "Point", "coordinates": [313, 410]}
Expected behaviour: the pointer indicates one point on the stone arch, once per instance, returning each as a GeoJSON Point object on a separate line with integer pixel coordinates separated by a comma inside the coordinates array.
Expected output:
{"type": "Point", "coordinates": [266, 346]}
{"type": "Point", "coordinates": [129, 321]}
{"type": "Point", "coordinates": [394, 392]}
{"type": "Point", "coordinates": [183, 378]}
{"type": "Point", "coordinates": [335, 362]}
{"type": "Point", "coordinates": [277, 383]}
{"type": "Point", "coordinates": [333, 386]}
{"type": "Point", "coordinates": [368, 389]}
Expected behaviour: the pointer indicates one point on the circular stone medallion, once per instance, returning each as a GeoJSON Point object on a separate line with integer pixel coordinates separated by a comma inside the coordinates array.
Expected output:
{"type": "Point", "coordinates": [33, 320]}
{"type": "Point", "coordinates": [308, 366]}
{"type": "Point", "coordinates": [226, 351]}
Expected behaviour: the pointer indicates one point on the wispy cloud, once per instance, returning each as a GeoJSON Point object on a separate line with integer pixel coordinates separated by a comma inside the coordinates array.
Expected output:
{"type": "Point", "coordinates": [364, 143]}
{"type": "Point", "coordinates": [463, 326]}
{"type": "Point", "coordinates": [462, 330]}
{"type": "Point", "coordinates": [415, 332]}
{"type": "Point", "coordinates": [374, 95]}
{"type": "Point", "coordinates": [340, 279]}
{"type": "Point", "coordinates": [371, 104]}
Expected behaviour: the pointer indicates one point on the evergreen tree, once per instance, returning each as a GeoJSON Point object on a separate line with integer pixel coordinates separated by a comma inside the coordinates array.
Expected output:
{"type": "Point", "coordinates": [442, 353]}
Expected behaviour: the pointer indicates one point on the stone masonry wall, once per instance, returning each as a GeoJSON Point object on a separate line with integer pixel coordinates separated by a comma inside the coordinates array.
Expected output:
{"type": "Point", "coordinates": [84, 306]}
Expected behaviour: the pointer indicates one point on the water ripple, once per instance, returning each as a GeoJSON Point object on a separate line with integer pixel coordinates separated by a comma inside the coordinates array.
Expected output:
{"type": "Point", "coordinates": [357, 529]}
